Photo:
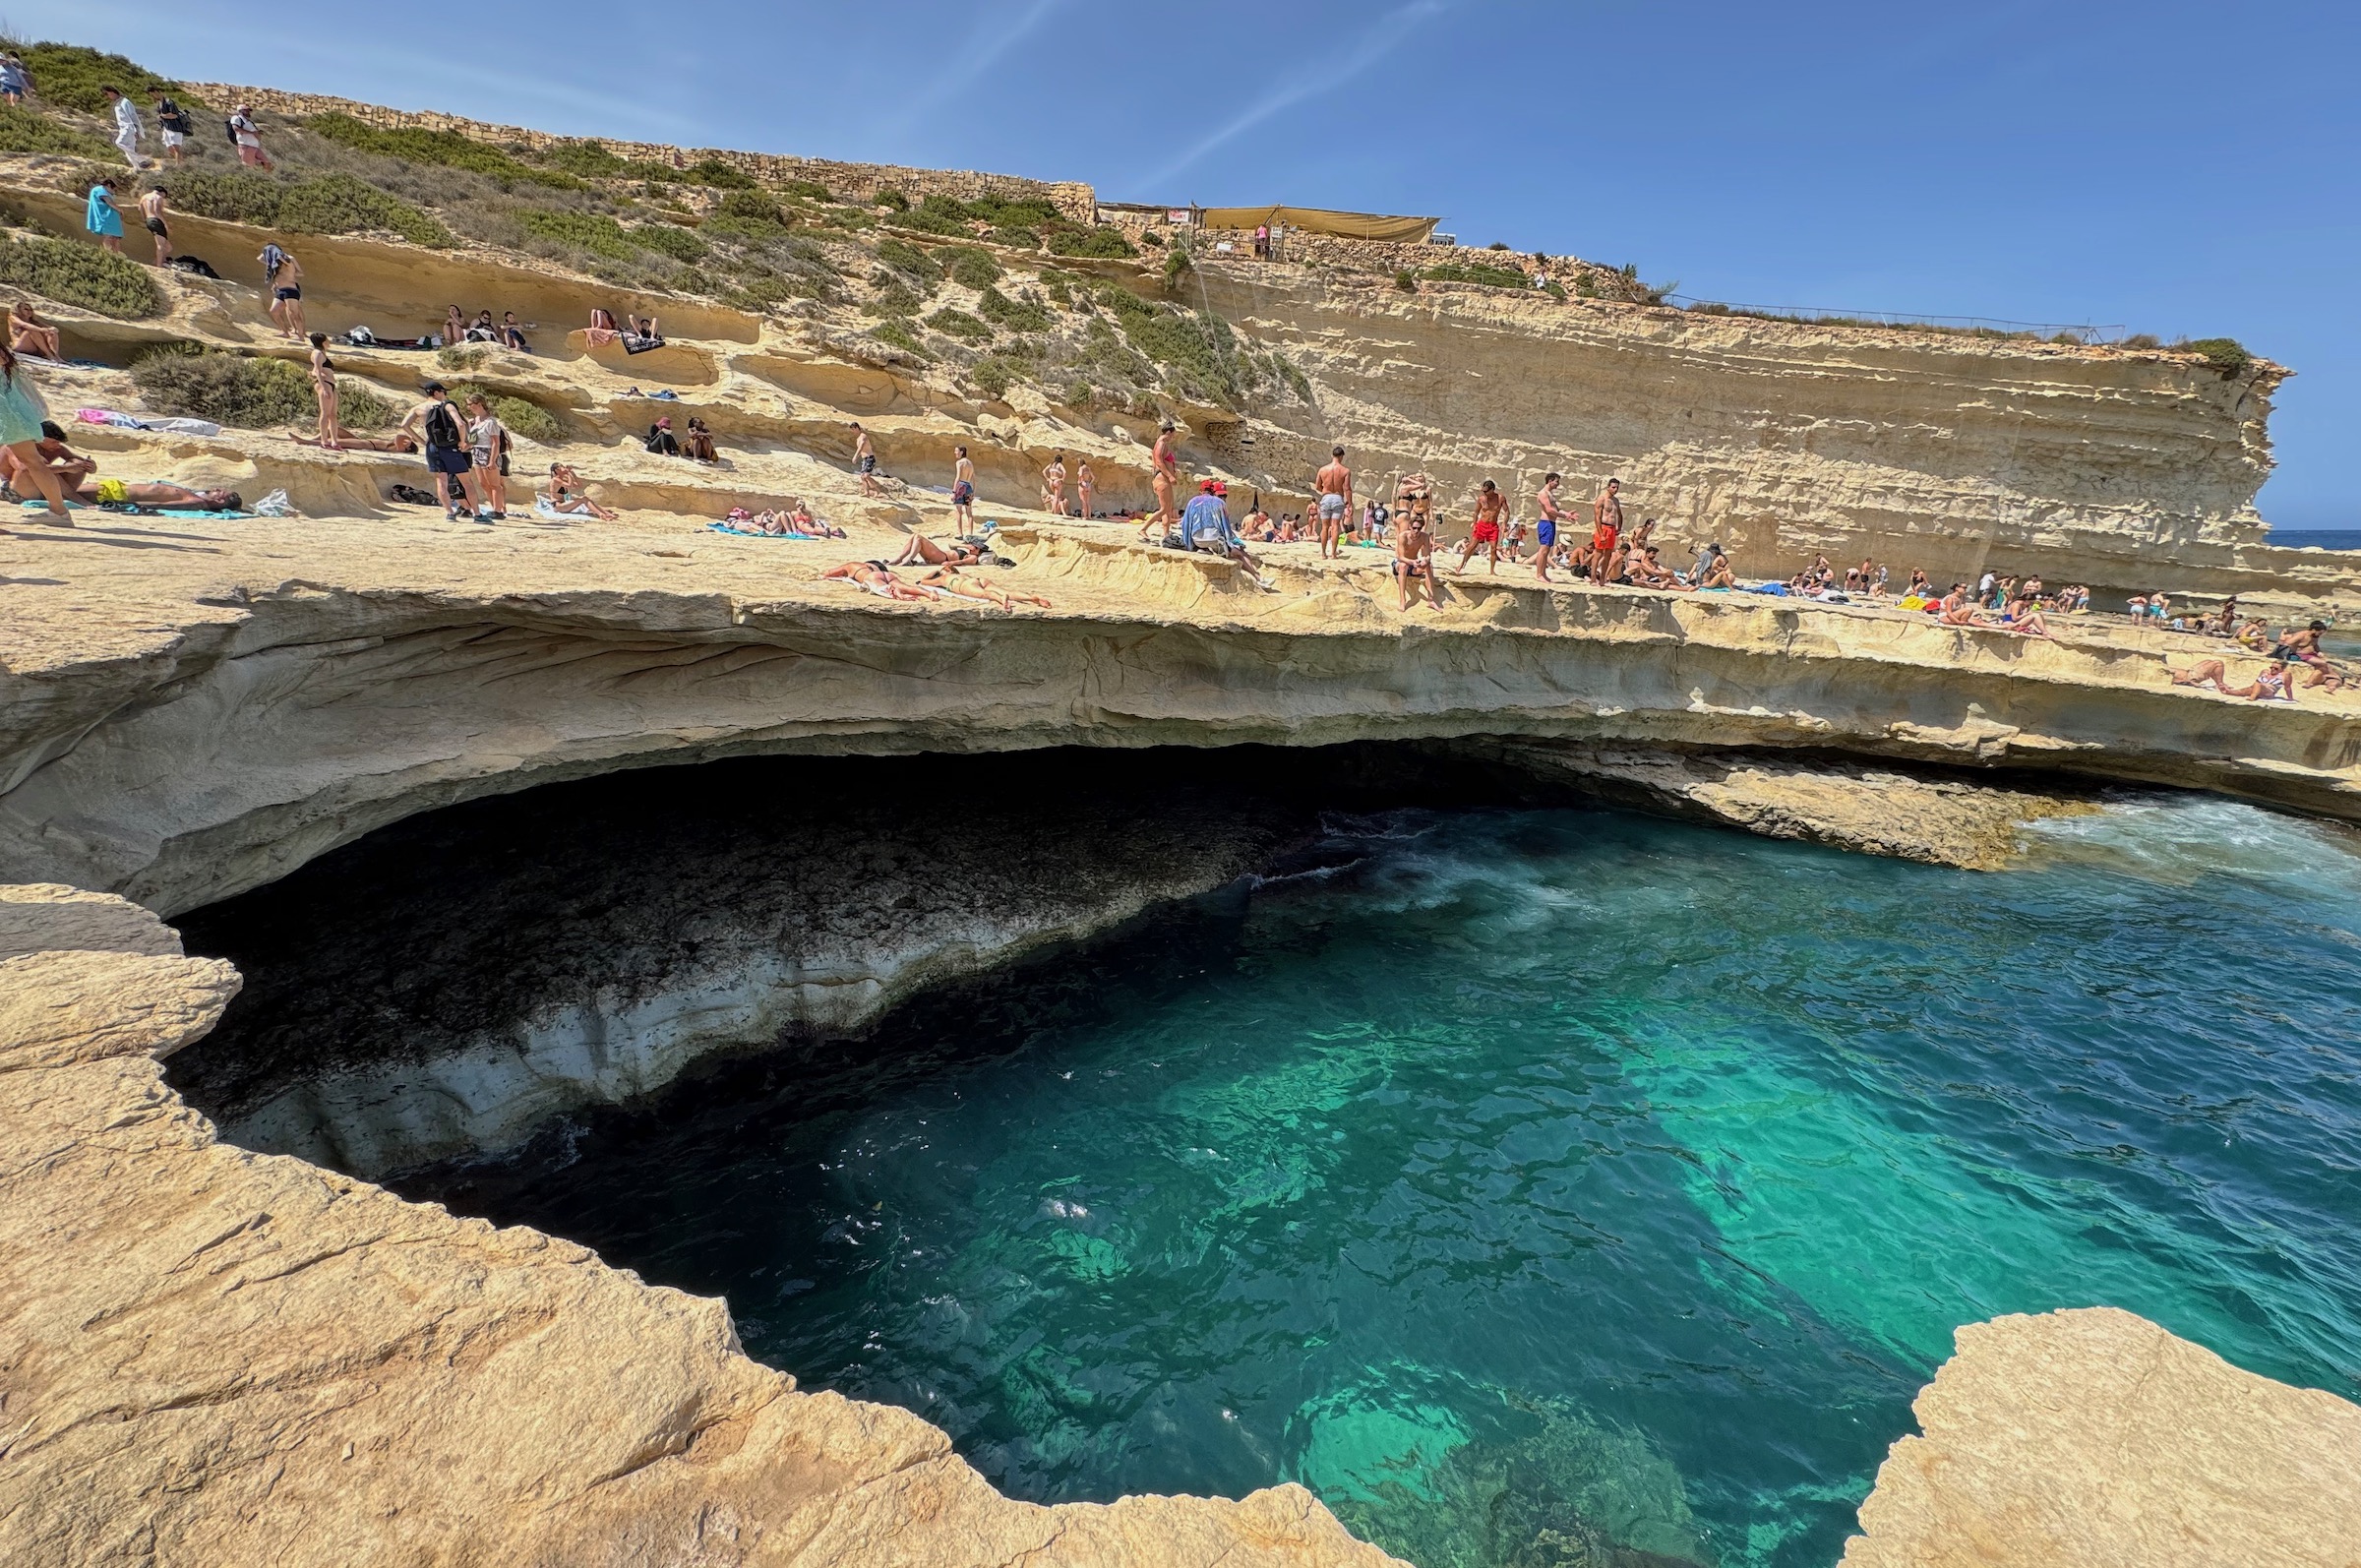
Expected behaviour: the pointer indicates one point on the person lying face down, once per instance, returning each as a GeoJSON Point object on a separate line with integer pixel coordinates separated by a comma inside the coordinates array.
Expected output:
{"type": "Point", "coordinates": [880, 580]}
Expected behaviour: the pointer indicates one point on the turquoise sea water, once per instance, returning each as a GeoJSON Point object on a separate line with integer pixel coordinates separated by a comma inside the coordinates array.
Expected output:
{"type": "Point", "coordinates": [1535, 1184]}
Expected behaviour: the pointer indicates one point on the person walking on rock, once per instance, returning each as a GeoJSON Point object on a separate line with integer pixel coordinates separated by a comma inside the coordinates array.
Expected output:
{"type": "Point", "coordinates": [249, 138]}
{"type": "Point", "coordinates": [101, 218]}
{"type": "Point", "coordinates": [172, 124]}
{"type": "Point", "coordinates": [152, 213]}
{"type": "Point", "coordinates": [282, 274]}
{"type": "Point", "coordinates": [1335, 484]}
{"type": "Point", "coordinates": [864, 459]}
{"type": "Point", "coordinates": [127, 125]}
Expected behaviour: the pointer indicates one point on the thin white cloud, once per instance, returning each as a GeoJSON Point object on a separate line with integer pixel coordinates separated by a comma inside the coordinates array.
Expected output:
{"type": "Point", "coordinates": [948, 92]}
{"type": "Point", "coordinates": [1381, 40]}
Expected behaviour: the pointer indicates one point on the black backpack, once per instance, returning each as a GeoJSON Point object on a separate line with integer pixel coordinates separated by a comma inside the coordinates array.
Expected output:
{"type": "Point", "coordinates": [443, 428]}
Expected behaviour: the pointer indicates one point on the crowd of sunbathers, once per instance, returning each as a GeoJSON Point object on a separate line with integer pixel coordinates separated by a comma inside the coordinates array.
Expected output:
{"type": "Point", "coordinates": [942, 572]}
{"type": "Point", "coordinates": [76, 478]}
{"type": "Point", "coordinates": [794, 520]}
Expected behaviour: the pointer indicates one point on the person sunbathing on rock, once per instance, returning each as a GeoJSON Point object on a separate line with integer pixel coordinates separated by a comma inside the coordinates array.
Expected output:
{"type": "Point", "coordinates": [99, 492]}
{"type": "Point", "coordinates": [922, 551]}
{"type": "Point", "coordinates": [2272, 684]}
{"type": "Point", "coordinates": [951, 580]}
{"type": "Point", "coordinates": [602, 327]}
{"type": "Point", "coordinates": [346, 441]}
{"type": "Point", "coordinates": [1650, 573]}
{"type": "Point", "coordinates": [565, 494]}
{"type": "Point", "coordinates": [800, 518]}
{"type": "Point", "coordinates": [877, 578]}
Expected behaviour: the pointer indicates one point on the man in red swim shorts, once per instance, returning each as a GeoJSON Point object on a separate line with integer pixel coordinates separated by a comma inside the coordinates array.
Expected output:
{"type": "Point", "coordinates": [1606, 527]}
{"type": "Point", "coordinates": [1485, 535]}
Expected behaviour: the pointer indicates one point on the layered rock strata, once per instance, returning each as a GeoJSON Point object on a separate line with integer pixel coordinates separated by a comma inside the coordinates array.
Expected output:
{"type": "Point", "coordinates": [444, 988]}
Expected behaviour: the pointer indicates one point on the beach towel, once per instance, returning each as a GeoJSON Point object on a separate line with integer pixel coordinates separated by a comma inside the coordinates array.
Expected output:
{"type": "Point", "coordinates": [169, 427]}
{"type": "Point", "coordinates": [634, 344]}
{"type": "Point", "coordinates": [136, 512]}
{"type": "Point", "coordinates": [757, 533]}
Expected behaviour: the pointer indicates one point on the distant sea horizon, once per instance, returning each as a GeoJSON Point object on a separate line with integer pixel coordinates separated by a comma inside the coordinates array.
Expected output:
{"type": "Point", "coordinates": [2322, 538]}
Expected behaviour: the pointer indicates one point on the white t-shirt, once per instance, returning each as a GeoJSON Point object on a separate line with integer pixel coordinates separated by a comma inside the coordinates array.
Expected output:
{"type": "Point", "coordinates": [1985, 586]}
{"type": "Point", "coordinates": [127, 118]}
{"type": "Point", "coordinates": [245, 130]}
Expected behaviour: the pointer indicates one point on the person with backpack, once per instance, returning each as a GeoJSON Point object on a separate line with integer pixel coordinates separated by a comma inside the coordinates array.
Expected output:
{"type": "Point", "coordinates": [172, 123]}
{"type": "Point", "coordinates": [247, 137]}
{"type": "Point", "coordinates": [436, 424]}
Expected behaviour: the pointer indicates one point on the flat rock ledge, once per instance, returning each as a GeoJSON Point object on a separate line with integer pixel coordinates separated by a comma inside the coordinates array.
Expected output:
{"type": "Point", "coordinates": [211, 1356]}
{"type": "Point", "coordinates": [1909, 815]}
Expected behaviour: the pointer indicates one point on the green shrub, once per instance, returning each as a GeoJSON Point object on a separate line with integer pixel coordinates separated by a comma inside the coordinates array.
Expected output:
{"type": "Point", "coordinates": [2141, 340]}
{"type": "Point", "coordinates": [1177, 265]}
{"type": "Point", "coordinates": [1017, 238]}
{"type": "Point", "coordinates": [330, 204]}
{"type": "Point", "coordinates": [1019, 316]}
{"type": "Point", "coordinates": [2224, 354]}
{"type": "Point", "coordinates": [991, 376]}
{"type": "Point", "coordinates": [1407, 280]}
{"type": "Point", "coordinates": [754, 210]}
{"type": "Point", "coordinates": [1075, 240]}
{"type": "Point", "coordinates": [1478, 273]}
{"type": "Point", "coordinates": [594, 232]}
{"type": "Point", "coordinates": [716, 174]}
{"type": "Point", "coordinates": [929, 223]}
{"type": "Point", "coordinates": [892, 200]}
{"type": "Point", "coordinates": [586, 161]}
{"type": "Point", "coordinates": [677, 243]}
{"type": "Point", "coordinates": [454, 357]}
{"type": "Point", "coordinates": [240, 196]}
{"type": "Point", "coordinates": [959, 324]}
{"type": "Point", "coordinates": [908, 260]}
{"type": "Point", "coordinates": [80, 274]}
{"type": "Point", "coordinates": [448, 148]}
{"type": "Point", "coordinates": [227, 388]}
{"type": "Point", "coordinates": [1054, 285]}
{"type": "Point", "coordinates": [969, 267]}
{"type": "Point", "coordinates": [898, 334]}
{"type": "Point", "coordinates": [360, 406]}
{"type": "Point", "coordinates": [71, 76]}
{"type": "Point", "coordinates": [24, 130]}
{"type": "Point", "coordinates": [893, 297]}
{"type": "Point", "coordinates": [809, 190]}
{"type": "Point", "coordinates": [1078, 395]}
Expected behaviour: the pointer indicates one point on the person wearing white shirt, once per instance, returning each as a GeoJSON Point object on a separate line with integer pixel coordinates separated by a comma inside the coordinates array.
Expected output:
{"type": "Point", "coordinates": [127, 126]}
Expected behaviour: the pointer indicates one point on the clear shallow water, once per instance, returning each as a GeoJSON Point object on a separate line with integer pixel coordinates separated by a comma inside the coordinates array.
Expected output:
{"type": "Point", "coordinates": [1527, 1184]}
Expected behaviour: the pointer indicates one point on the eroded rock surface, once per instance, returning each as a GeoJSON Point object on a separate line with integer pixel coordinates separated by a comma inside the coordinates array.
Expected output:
{"type": "Point", "coordinates": [211, 1356]}
{"type": "Point", "coordinates": [2095, 1439]}
{"type": "Point", "coordinates": [1944, 821]}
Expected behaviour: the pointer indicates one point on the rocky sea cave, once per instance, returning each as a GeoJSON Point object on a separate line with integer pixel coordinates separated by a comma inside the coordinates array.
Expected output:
{"type": "Point", "coordinates": [1541, 1184]}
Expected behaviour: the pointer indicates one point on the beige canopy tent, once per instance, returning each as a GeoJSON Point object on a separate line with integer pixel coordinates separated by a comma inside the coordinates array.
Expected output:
{"type": "Point", "coordinates": [1320, 220]}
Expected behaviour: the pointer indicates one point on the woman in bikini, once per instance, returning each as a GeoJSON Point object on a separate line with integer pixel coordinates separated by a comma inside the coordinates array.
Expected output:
{"type": "Point", "coordinates": [1053, 486]}
{"type": "Point", "coordinates": [602, 327]}
{"type": "Point", "coordinates": [565, 494]}
{"type": "Point", "coordinates": [1087, 485]}
{"type": "Point", "coordinates": [879, 578]}
{"type": "Point", "coordinates": [1166, 477]}
{"type": "Point", "coordinates": [1485, 535]}
{"type": "Point", "coordinates": [28, 334]}
{"type": "Point", "coordinates": [951, 580]}
{"type": "Point", "coordinates": [324, 388]}
{"type": "Point", "coordinates": [21, 434]}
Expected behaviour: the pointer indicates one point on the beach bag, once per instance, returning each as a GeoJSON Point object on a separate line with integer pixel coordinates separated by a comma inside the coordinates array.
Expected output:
{"type": "Point", "coordinates": [194, 266]}
{"type": "Point", "coordinates": [413, 496]}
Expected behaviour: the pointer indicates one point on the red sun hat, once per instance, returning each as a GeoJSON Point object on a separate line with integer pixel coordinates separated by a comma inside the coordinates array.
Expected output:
{"type": "Point", "coordinates": [1214, 487]}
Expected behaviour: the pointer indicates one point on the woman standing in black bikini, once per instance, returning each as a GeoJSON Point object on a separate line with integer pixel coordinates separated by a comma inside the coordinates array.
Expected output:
{"type": "Point", "coordinates": [323, 387]}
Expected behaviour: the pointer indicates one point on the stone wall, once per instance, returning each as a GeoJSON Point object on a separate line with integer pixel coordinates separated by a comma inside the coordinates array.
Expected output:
{"type": "Point", "coordinates": [862, 181]}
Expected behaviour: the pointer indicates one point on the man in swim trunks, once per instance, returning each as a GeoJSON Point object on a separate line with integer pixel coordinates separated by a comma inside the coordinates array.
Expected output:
{"type": "Point", "coordinates": [1545, 527]}
{"type": "Point", "coordinates": [1606, 527]}
{"type": "Point", "coordinates": [152, 213]}
{"type": "Point", "coordinates": [1053, 486]}
{"type": "Point", "coordinates": [1485, 534]}
{"type": "Point", "coordinates": [864, 458]}
{"type": "Point", "coordinates": [282, 274]}
{"type": "Point", "coordinates": [963, 493]}
{"type": "Point", "coordinates": [1166, 477]}
{"type": "Point", "coordinates": [1414, 559]}
{"type": "Point", "coordinates": [1335, 484]}
{"type": "Point", "coordinates": [127, 493]}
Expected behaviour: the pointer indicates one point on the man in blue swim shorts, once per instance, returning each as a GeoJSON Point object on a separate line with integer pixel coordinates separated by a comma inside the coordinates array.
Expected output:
{"type": "Point", "coordinates": [1544, 528]}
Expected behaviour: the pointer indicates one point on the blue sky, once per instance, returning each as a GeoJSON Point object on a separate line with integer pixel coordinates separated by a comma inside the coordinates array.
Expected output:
{"type": "Point", "coordinates": [2184, 169]}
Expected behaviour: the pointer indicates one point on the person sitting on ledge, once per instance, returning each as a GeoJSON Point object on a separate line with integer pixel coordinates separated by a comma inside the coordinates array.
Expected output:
{"type": "Point", "coordinates": [698, 442]}
{"type": "Point", "coordinates": [455, 326]}
{"type": "Point", "coordinates": [2272, 684]}
{"type": "Point", "coordinates": [481, 330]}
{"type": "Point", "coordinates": [28, 334]}
{"type": "Point", "coordinates": [512, 335]}
{"type": "Point", "coordinates": [800, 516]}
{"type": "Point", "coordinates": [70, 467]}
{"type": "Point", "coordinates": [1205, 526]}
{"type": "Point", "coordinates": [641, 335]}
{"type": "Point", "coordinates": [2024, 616]}
{"type": "Point", "coordinates": [1958, 608]}
{"type": "Point", "coordinates": [661, 441]}
{"type": "Point", "coordinates": [879, 578]}
{"type": "Point", "coordinates": [1650, 573]}
{"type": "Point", "coordinates": [1714, 571]}
{"type": "Point", "coordinates": [565, 494]}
